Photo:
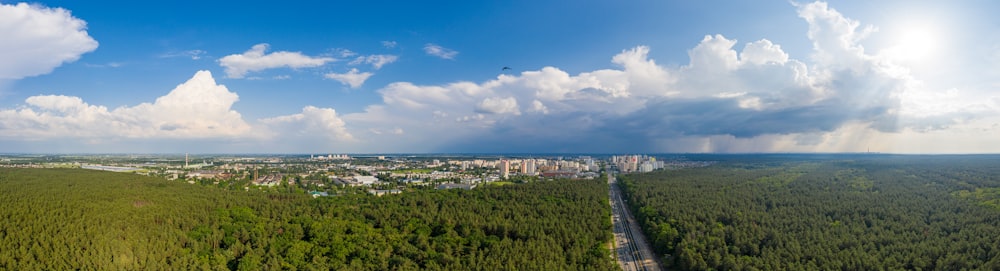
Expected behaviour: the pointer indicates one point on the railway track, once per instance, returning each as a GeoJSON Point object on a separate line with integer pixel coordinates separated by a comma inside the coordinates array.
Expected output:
{"type": "Point", "coordinates": [631, 251]}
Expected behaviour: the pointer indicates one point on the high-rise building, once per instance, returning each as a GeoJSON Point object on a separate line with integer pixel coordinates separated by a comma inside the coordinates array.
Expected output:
{"type": "Point", "coordinates": [646, 166]}
{"type": "Point", "coordinates": [505, 168]}
{"type": "Point", "coordinates": [529, 165]}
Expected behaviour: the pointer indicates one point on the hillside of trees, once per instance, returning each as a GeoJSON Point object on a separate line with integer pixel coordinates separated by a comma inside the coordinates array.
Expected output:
{"type": "Point", "coordinates": [824, 213]}
{"type": "Point", "coordinates": [69, 219]}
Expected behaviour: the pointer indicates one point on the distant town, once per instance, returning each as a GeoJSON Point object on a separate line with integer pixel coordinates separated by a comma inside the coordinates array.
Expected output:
{"type": "Point", "coordinates": [331, 174]}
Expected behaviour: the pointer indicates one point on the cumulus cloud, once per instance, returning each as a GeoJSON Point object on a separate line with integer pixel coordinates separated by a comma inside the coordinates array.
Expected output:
{"type": "Point", "coordinates": [256, 59]}
{"type": "Point", "coordinates": [640, 75]}
{"type": "Point", "coordinates": [312, 122]}
{"type": "Point", "coordinates": [377, 61]}
{"type": "Point", "coordinates": [715, 54]}
{"type": "Point", "coordinates": [835, 37]}
{"type": "Point", "coordinates": [37, 39]}
{"type": "Point", "coordinates": [538, 106]}
{"type": "Point", "coordinates": [730, 96]}
{"type": "Point", "coordinates": [389, 44]}
{"type": "Point", "coordinates": [438, 51]}
{"type": "Point", "coordinates": [755, 98]}
{"type": "Point", "coordinates": [763, 52]}
{"type": "Point", "coordinates": [495, 105]}
{"type": "Point", "coordinates": [196, 114]}
{"type": "Point", "coordinates": [481, 111]}
{"type": "Point", "coordinates": [198, 108]}
{"type": "Point", "coordinates": [351, 78]}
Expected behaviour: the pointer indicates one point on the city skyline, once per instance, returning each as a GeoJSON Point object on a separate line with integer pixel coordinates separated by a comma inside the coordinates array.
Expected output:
{"type": "Point", "coordinates": [511, 77]}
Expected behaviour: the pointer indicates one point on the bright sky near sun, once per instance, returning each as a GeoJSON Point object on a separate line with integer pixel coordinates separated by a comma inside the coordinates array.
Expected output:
{"type": "Point", "coordinates": [417, 76]}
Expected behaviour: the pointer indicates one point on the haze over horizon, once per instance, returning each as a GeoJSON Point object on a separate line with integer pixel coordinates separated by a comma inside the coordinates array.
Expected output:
{"type": "Point", "coordinates": [585, 77]}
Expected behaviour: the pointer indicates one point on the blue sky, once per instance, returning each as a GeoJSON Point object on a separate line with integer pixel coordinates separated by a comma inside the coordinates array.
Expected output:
{"type": "Point", "coordinates": [586, 76]}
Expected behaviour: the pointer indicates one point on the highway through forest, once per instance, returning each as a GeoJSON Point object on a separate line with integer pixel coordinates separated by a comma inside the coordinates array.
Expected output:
{"type": "Point", "coordinates": [631, 249]}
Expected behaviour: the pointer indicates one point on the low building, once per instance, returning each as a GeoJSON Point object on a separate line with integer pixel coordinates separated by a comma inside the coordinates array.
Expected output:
{"type": "Point", "coordinates": [316, 194]}
{"type": "Point", "coordinates": [109, 168]}
{"type": "Point", "coordinates": [313, 182]}
{"type": "Point", "coordinates": [381, 192]}
{"type": "Point", "coordinates": [588, 175]}
{"type": "Point", "coordinates": [268, 180]}
{"type": "Point", "coordinates": [456, 186]}
{"type": "Point", "coordinates": [366, 180]}
{"type": "Point", "coordinates": [357, 181]}
{"type": "Point", "coordinates": [559, 174]}
{"type": "Point", "coordinates": [412, 181]}
{"type": "Point", "coordinates": [208, 174]}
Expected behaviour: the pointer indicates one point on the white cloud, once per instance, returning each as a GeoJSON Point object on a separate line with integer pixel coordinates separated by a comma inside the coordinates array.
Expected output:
{"type": "Point", "coordinates": [38, 39]}
{"type": "Point", "coordinates": [476, 117]}
{"type": "Point", "coordinates": [641, 75]}
{"type": "Point", "coordinates": [495, 105]}
{"type": "Point", "coordinates": [351, 78]}
{"type": "Point", "coordinates": [196, 114]}
{"type": "Point", "coordinates": [538, 106]}
{"type": "Point", "coordinates": [763, 52]}
{"type": "Point", "coordinates": [762, 69]}
{"type": "Point", "coordinates": [193, 54]}
{"type": "Point", "coordinates": [255, 59]}
{"type": "Point", "coordinates": [377, 61]}
{"type": "Point", "coordinates": [470, 110]}
{"type": "Point", "coordinates": [714, 53]}
{"type": "Point", "coordinates": [438, 51]}
{"type": "Point", "coordinates": [198, 108]}
{"type": "Point", "coordinates": [344, 53]}
{"type": "Point", "coordinates": [835, 37]}
{"type": "Point", "coordinates": [106, 65]}
{"type": "Point", "coordinates": [313, 122]}
{"type": "Point", "coordinates": [394, 131]}
{"type": "Point", "coordinates": [389, 44]}
{"type": "Point", "coordinates": [755, 99]}
{"type": "Point", "coordinates": [729, 97]}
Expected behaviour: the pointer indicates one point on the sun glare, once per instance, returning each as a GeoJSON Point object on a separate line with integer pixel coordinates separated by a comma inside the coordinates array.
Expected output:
{"type": "Point", "coordinates": [914, 44]}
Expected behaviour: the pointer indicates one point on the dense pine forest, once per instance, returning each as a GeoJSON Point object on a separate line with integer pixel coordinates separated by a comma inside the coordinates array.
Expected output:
{"type": "Point", "coordinates": [797, 212]}
{"type": "Point", "coordinates": [67, 219]}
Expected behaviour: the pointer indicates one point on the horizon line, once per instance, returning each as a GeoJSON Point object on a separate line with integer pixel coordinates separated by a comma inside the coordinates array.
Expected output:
{"type": "Point", "coordinates": [479, 153]}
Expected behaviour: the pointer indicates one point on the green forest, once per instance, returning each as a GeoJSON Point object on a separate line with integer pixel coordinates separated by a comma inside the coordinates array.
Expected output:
{"type": "Point", "coordinates": [70, 219]}
{"type": "Point", "coordinates": [840, 212]}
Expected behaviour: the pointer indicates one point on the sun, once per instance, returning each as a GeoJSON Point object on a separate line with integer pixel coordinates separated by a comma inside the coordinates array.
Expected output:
{"type": "Point", "coordinates": [914, 44]}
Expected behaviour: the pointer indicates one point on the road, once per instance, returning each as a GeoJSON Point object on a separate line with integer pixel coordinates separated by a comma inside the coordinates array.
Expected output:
{"type": "Point", "coordinates": [633, 252]}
